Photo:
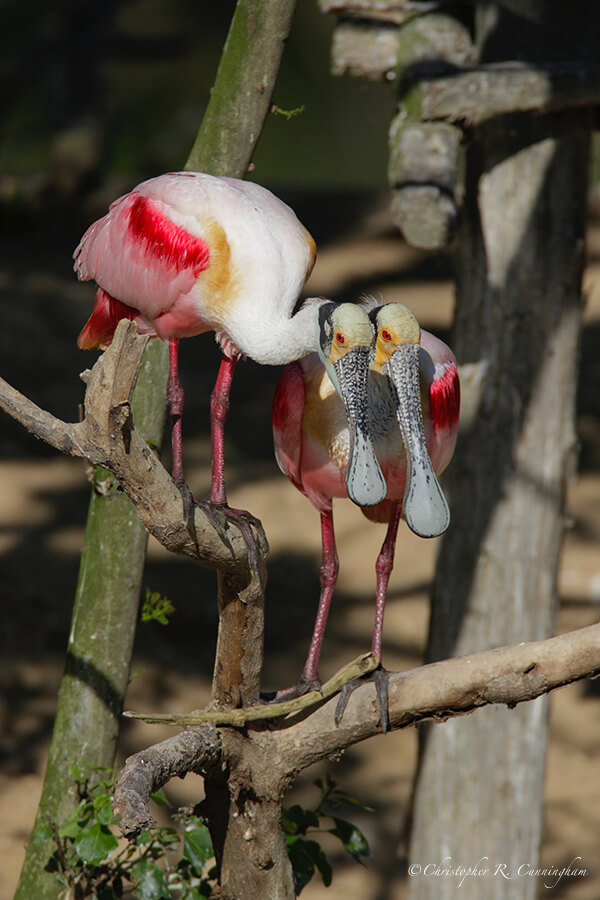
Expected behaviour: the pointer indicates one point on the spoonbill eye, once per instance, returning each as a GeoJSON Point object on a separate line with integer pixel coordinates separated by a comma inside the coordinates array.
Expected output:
{"type": "Point", "coordinates": [340, 338]}
{"type": "Point", "coordinates": [386, 335]}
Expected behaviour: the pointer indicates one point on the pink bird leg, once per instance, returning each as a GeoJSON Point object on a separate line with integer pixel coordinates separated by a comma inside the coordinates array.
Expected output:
{"type": "Point", "coordinates": [383, 570]}
{"type": "Point", "coordinates": [219, 410]}
{"type": "Point", "coordinates": [175, 397]}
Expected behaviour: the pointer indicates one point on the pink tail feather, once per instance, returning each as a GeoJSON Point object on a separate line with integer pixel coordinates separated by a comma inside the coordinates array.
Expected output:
{"type": "Point", "coordinates": [99, 329]}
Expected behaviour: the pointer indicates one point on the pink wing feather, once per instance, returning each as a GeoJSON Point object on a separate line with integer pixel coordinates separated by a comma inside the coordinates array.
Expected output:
{"type": "Point", "coordinates": [143, 262]}
{"type": "Point", "coordinates": [444, 399]}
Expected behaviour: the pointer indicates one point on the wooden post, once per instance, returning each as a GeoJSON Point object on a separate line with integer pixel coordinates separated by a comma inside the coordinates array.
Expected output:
{"type": "Point", "coordinates": [479, 793]}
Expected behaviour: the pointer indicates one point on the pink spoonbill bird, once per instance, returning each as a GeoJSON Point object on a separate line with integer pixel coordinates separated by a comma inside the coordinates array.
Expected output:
{"type": "Point", "coordinates": [186, 253]}
{"type": "Point", "coordinates": [413, 405]}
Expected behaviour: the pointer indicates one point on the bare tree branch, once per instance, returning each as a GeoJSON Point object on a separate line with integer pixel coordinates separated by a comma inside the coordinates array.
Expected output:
{"type": "Point", "coordinates": [453, 687]}
{"type": "Point", "coordinates": [144, 773]}
{"type": "Point", "coordinates": [62, 435]}
{"type": "Point", "coordinates": [107, 437]}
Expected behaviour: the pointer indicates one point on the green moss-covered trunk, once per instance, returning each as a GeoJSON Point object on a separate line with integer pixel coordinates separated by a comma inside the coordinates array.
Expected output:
{"type": "Point", "coordinates": [101, 637]}
{"type": "Point", "coordinates": [241, 97]}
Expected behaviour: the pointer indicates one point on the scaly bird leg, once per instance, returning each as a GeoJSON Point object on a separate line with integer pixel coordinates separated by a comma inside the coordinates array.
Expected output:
{"type": "Point", "coordinates": [380, 676]}
{"type": "Point", "coordinates": [219, 405]}
{"type": "Point", "coordinates": [219, 410]}
{"type": "Point", "coordinates": [175, 397]}
{"type": "Point", "coordinates": [310, 679]}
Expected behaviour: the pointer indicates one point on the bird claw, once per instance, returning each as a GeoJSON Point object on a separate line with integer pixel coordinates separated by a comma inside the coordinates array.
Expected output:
{"type": "Point", "coordinates": [380, 677]}
{"type": "Point", "coordinates": [189, 501]}
{"type": "Point", "coordinates": [249, 526]}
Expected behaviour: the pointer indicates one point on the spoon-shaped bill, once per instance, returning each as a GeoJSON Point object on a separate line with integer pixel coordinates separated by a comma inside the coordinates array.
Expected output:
{"type": "Point", "coordinates": [425, 507]}
{"type": "Point", "coordinates": [365, 483]}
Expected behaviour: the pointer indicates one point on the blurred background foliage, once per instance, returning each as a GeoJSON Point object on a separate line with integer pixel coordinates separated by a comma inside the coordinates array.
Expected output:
{"type": "Point", "coordinates": [108, 92]}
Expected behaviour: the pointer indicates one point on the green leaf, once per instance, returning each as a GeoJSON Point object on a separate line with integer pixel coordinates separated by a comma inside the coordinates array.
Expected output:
{"type": "Point", "coordinates": [168, 836]}
{"type": "Point", "coordinates": [198, 848]}
{"type": "Point", "coordinates": [354, 841]}
{"type": "Point", "coordinates": [95, 843]}
{"type": "Point", "coordinates": [156, 608]}
{"type": "Point", "coordinates": [144, 837]}
{"type": "Point", "coordinates": [71, 830]}
{"type": "Point", "coordinates": [320, 860]}
{"type": "Point", "coordinates": [305, 856]}
{"type": "Point", "coordinates": [288, 113]}
{"type": "Point", "coordinates": [160, 798]}
{"type": "Point", "coordinates": [302, 864]}
{"type": "Point", "coordinates": [152, 882]}
{"type": "Point", "coordinates": [75, 772]}
{"type": "Point", "coordinates": [296, 820]}
{"type": "Point", "coordinates": [76, 822]}
{"type": "Point", "coordinates": [103, 807]}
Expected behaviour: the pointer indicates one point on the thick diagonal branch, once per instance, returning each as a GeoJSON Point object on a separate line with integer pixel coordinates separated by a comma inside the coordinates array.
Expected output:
{"type": "Point", "coordinates": [507, 675]}
{"type": "Point", "coordinates": [107, 437]}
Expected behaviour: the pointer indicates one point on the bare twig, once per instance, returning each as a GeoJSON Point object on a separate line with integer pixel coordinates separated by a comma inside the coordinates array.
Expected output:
{"type": "Point", "coordinates": [360, 666]}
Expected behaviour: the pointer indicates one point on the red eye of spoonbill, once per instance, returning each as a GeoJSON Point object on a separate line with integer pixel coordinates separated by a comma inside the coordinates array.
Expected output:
{"type": "Point", "coordinates": [340, 338]}
{"type": "Point", "coordinates": [386, 335]}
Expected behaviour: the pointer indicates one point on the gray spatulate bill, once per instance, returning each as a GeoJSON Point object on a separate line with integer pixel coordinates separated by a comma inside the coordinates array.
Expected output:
{"type": "Point", "coordinates": [365, 483]}
{"type": "Point", "coordinates": [425, 507]}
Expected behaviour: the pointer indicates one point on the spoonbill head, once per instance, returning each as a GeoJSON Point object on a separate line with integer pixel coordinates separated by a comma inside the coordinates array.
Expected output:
{"type": "Point", "coordinates": [398, 355]}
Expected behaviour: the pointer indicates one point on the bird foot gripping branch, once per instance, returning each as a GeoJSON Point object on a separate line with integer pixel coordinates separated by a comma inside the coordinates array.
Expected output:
{"type": "Point", "coordinates": [359, 667]}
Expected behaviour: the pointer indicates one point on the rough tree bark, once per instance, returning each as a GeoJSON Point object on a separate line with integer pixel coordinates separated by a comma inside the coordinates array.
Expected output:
{"type": "Point", "coordinates": [521, 253]}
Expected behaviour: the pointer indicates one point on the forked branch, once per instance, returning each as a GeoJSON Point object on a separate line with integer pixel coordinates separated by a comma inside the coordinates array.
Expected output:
{"type": "Point", "coordinates": [436, 692]}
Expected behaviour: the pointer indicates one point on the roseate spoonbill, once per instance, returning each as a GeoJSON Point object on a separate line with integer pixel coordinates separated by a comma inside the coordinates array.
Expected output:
{"type": "Point", "coordinates": [413, 399]}
{"type": "Point", "coordinates": [186, 253]}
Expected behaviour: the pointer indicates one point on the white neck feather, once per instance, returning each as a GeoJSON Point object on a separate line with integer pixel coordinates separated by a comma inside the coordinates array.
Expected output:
{"type": "Point", "coordinates": [280, 339]}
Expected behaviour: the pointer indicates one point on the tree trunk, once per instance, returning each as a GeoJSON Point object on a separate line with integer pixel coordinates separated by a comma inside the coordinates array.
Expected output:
{"type": "Point", "coordinates": [100, 643]}
{"type": "Point", "coordinates": [479, 793]}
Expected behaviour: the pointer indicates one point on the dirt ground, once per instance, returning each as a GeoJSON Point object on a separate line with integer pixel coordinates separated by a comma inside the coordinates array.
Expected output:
{"type": "Point", "coordinates": [43, 501]}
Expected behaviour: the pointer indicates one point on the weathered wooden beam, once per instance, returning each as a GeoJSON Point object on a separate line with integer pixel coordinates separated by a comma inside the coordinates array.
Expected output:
{"type": "Point", "coordinates": [395, 11]}
{"type": "Point", "coordinates": [478, 95]}
{"type": "Point", "coordinates": [424, 156]}
{"type": "Point", "coordinates": [365, 48]}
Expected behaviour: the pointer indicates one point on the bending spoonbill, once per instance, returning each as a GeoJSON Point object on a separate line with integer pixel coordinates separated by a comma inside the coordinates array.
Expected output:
{"type": "Point", "coordinates": [413, 400]}
{"type": "Point", "coordinates": [186, 253]}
